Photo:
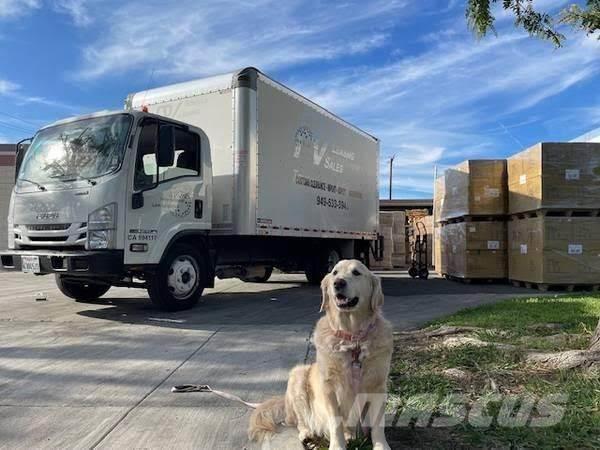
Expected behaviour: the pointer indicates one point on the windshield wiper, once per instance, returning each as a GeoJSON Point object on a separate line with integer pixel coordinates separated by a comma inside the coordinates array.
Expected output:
{"type": "Point", "coordinates": [39, 186]}
{"type": "Point", "coordinates": [78, 177]}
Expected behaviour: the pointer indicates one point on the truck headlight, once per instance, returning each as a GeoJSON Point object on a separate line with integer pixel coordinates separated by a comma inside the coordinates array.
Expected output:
{"type": "Point", "coordinates": [101, 227]}
{"type": "Point", "coordinates": [100, 239]}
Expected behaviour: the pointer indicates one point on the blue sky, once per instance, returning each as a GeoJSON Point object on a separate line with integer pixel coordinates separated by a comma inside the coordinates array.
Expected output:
{"type": "Point", "coordinates": [408, 72]}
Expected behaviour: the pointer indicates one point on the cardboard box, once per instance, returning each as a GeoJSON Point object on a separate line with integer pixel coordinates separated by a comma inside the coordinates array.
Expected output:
{"type": "Point", "coordinates": [555, 250]}
{"type": "Point", "coordinates": [474, 250]}
{"type": "Point", "coordinates": [555, 176]}
{"type": "Point", "coordinates": [438, 198]}
{"type": "Point", "coordinates": [437, 250]}
{"type": "Point", "coordinates": [474, 187]}
{"type": "Point", "coordinates": [392, 225]}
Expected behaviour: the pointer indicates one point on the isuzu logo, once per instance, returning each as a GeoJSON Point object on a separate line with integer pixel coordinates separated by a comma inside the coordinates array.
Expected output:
{"type": "Point", "coordinates": [47, 216]}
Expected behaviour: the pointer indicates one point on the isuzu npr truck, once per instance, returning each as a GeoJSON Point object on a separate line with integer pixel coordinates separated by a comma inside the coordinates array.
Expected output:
{"type": "Point", "coordinates": [227, 176]}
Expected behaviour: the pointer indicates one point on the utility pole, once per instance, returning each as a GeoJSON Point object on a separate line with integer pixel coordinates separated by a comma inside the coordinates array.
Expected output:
{"type": "Point", "coordinates": [391, 172]}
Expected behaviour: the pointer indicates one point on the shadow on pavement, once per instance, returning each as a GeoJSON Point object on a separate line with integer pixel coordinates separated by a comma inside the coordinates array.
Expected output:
{"type": "Point", "coordinates": [291, 302]}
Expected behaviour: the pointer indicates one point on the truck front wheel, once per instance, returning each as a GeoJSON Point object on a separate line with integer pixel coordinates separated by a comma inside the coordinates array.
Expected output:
{"type": "Point", "coordinates": [321, 264]}
{"type": "Point", "coordinates": [80, 290]}
{"type": "Point", "coordinates": [178, 282]}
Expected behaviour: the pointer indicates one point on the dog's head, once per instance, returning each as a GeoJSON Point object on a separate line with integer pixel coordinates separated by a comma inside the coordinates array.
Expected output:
{"type": "Point", "coordinates": [351, 287]}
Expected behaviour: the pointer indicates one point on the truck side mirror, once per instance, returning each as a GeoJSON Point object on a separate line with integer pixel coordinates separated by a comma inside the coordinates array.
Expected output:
{"type": "Point", "coordinates": [166, 146]}
{"type": "Point", "coordinates": [21, 149]}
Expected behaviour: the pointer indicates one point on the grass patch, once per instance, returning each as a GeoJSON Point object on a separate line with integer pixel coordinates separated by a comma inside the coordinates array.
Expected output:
{"type": "Point", "coordinates": [576, 314]}
{"type": "Point", "coordinates": [420, 366]}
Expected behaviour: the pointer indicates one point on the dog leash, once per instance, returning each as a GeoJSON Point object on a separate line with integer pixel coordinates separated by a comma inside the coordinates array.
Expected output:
{"type": "Point", "coordinates": [185, 388]}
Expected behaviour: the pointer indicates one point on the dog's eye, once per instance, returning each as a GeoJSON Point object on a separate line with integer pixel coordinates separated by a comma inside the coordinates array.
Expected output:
{"type": "Point", "coordinates": [356, 273]}
{"type": "Point", "coordinates": [335, 272]}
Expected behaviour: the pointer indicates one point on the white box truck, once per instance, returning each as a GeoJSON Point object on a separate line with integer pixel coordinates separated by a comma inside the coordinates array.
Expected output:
{"type": "Point", "coordinates": [230, 175]}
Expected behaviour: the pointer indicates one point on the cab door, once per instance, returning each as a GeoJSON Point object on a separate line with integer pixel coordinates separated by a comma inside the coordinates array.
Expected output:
{"type": "Point", "coordinates": [169, 189]}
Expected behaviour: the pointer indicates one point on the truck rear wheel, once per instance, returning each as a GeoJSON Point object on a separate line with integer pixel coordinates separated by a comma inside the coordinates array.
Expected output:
{"type": "Point", "coordinates": [81, 291]}
{"type": "Point", "coordinates": [321, 265]}
{"type": "Point", "coordinates": [178, 282]}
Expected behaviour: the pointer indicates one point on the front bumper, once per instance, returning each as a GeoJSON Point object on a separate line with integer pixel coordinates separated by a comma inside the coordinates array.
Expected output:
{"type": "Point", "coordinates": [82, 263]}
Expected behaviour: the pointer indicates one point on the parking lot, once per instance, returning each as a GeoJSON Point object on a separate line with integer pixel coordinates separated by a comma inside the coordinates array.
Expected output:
{"type": "Point", "coordinates": [99, 375]}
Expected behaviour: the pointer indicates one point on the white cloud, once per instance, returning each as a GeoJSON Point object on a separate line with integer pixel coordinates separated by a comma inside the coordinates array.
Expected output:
{"type": "Point", "coordinates": [15, 92]}
{"type": "Point", "coordinates": [76, 9]}
{"type": "Point", "coordinates": [7, 87]}
{"type": "Point", "coordinates": [15, 8]}
{"type": "Point", "coordinates": [186, 40]}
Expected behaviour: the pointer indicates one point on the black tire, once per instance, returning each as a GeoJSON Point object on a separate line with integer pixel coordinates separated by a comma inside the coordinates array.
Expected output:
{"type": "Point", "coordinates": [179, 280]}
{"type": "Point", "coordinates": [81, 291]}
{"type": "Point", "coordinates": [413, 272]}
{"type": "Point", "coordinates": [262, 279]}
{"type": "Point", "coordinates": [423, 274]}
{"type": "Point", "coordinates": [321, 265]}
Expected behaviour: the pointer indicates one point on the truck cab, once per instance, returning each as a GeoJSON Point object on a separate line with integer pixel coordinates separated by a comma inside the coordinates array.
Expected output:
{"type": "Point", "coordinates": [99, 199]}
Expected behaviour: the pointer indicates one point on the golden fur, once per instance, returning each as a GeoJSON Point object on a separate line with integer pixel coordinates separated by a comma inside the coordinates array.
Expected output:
{"type": "Point", "coordinates": [320, 398]}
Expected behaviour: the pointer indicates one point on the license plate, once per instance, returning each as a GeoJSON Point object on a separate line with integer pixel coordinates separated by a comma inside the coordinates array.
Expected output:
{"type": "Point", "coordinates": [30, 264]}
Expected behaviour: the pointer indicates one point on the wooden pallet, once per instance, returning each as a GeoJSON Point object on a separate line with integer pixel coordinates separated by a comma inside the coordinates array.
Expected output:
{"type": "Point", "coordinates": [465, 280]}
{"type": "Point", "coordinates": [559, 212]}
{"type": "Point", "coordinates": [469, 219]}
{"type": "Point", "coordinates": [566, 287]}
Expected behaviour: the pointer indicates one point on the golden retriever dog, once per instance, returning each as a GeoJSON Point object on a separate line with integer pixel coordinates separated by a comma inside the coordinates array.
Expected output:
{"type": "Point", "coordinates": [347, 385]}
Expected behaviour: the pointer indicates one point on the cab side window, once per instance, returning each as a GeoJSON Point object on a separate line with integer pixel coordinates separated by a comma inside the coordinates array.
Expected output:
{"type": "Point", "coordinates": [185, 163]}
{"type": "Point", "coordinates": [187, 157]}
{"type": "Point", "coordinates": [146, 174]}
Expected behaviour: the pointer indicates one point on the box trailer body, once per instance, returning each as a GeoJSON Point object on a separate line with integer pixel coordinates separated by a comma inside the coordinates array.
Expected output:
{"type": "Point", "coordinates": [282, 165]}
{"type": "Point", "coordinates": [230, 176]}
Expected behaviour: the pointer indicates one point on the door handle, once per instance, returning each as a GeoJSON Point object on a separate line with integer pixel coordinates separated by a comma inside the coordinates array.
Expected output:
{"type": "Point", "coordinates": [198, 207]}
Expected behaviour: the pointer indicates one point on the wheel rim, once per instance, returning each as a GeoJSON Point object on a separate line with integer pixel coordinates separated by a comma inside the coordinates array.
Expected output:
{"type": "Point", "coordinates": [182, 279]}
{"type": "Point", "coordinates": [332, 259]}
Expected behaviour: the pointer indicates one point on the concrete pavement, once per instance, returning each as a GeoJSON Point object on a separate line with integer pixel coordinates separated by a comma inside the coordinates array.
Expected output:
{"type": "Point", "coordinates": [99, 375]}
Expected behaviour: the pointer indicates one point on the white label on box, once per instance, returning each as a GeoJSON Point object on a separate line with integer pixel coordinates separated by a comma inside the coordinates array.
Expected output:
{"type": "Point", "coordinates": [477, 198]}
{"type": "Point", "coordinates": [472, 229]}
{"type": "Point", "coordinates": [492, 192]}
{"type": "Point", "coordinates": [575, 249]}
{"type": "Point", "coordinates": [523, 179]}
{"type": "Point", "coordinates": [523, 249]}
{"type": "Point", "coordinates": [493, 245]}
{"type": "Point", "coordinates": [454, 249]}
{"type": "Point", "coordinates": [572, 174]}
{"type": "Point", "coordinates": [454, 190]}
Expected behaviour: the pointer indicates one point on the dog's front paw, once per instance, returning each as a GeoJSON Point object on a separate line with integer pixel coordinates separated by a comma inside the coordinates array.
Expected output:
{"type": "Point", "coordinates": [381, 446]}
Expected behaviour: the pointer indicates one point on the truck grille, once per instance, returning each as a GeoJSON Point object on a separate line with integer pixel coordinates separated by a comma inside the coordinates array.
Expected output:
{"type": "Point", "coordinates": [48, 227]}
{"type": "Point", "coordinates": [51, 235]}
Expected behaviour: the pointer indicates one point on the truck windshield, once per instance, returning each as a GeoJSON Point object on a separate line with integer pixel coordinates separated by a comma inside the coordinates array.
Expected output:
{"type": "Point", "coordinates": [83, 149]}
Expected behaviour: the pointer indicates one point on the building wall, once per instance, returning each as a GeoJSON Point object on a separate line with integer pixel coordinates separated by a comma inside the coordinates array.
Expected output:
{"type": "Point", "coordinates": [7, 177]}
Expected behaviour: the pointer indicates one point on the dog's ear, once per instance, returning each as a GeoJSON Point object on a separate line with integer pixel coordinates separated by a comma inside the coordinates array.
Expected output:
{"type": "Point", "coordinates": [376, 293]}
{"type": "Point", "coordinates": [325, 293]}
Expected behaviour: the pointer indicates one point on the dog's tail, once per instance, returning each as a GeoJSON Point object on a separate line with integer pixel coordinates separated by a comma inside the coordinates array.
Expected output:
{"type": "Point", "coordinates": [265, 419]}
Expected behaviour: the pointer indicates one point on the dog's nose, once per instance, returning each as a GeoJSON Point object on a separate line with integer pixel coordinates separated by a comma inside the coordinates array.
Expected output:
{"type": "Point", "coordinates": [339, 283]}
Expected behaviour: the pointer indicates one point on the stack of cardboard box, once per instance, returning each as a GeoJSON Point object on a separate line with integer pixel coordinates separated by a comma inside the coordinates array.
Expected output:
{"type": "Point", "coordinates": [438, 205]}
{"type": "Point", "coordinates": [554, 203]}
{"type": "Point", "coordinates": [471, 211]}
{"type": "Point", "coordinates": [399, 239]}
{"type": "Point", "coordinates": [392, 226]}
